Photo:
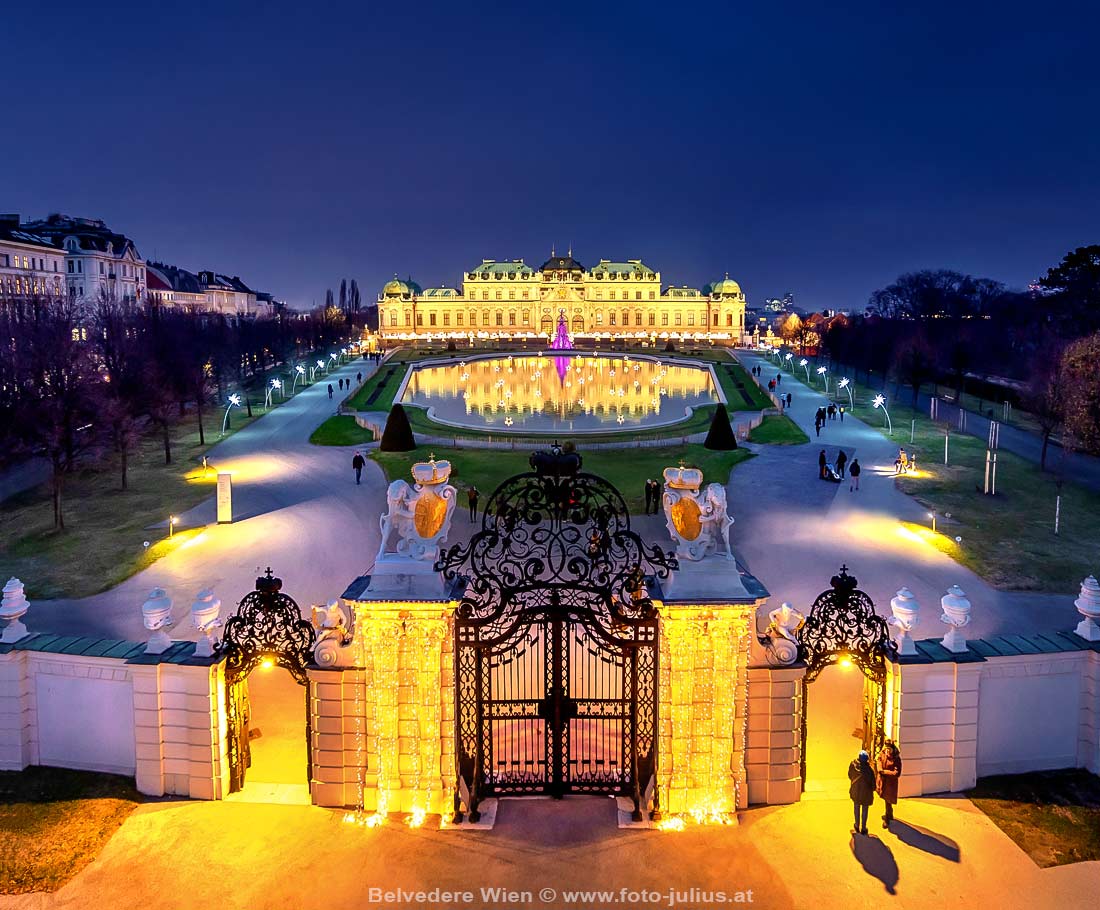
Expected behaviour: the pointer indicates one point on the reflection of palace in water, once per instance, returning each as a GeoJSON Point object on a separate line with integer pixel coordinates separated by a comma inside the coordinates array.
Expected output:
{"type": "Point", "coordinates": [509, 299]}
{"type": "Point", "coordinates": [565, 387]}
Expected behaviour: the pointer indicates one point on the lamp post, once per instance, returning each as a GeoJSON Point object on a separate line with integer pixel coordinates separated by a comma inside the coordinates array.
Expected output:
{"type": "Point", "coordinates": [846, 385]}
{"type": "Point", "coordinates": [823, 373]}
{"type": "Point", "coordinates": [173, 520]}
{"type": "Point", "coordinates": [299, 373]}
{"type": "Point", "coordinates": [234, 402]}
{"type": "Point", "coordinates": [276, 385]}
{"type": "Point", "coordinates": [880, 402]}
{"type": "Point", "coordinates": [790, 365]}
{"type": "Point", "coordinates": [805, 364]}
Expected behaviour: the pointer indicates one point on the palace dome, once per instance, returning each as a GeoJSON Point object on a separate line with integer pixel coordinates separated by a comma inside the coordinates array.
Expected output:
{"type": "Point", "coordinates": [395, 288]}
{"type": "Point", "coordinates": [727, 287]}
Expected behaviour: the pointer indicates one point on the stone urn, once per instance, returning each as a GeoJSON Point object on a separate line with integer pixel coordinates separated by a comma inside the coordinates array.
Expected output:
{"type": "Point", "coordinates": [906, 617]}
{"type": "Point", "coordinates": [156, 613]}
{"type": "Point", "coordinates": [13, 608]}
{"type": "Point", "coordinates": [783, 626]}
{"type": "Point", "coordinates": [956, 614]}
{"type": "Point", "coordinates": [204, 614]}
{"type": "Point", "coordinates": [1088, 605]}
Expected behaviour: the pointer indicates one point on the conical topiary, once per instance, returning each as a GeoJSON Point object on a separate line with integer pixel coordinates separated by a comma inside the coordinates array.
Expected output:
{"type": "Point", "coordinates": [720, 436]}
{"type": "Point", "coordinates": [398, 435]}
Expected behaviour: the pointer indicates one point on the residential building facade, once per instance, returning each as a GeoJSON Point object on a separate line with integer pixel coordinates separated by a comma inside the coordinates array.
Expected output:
{"type": "Point", "coordinates": [30, 265]}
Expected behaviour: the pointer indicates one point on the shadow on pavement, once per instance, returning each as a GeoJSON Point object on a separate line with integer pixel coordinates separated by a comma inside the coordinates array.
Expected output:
{"type": "Point", "coordinates": [928, 841]}
{"type": "Point", "coordinates": [876, 859]}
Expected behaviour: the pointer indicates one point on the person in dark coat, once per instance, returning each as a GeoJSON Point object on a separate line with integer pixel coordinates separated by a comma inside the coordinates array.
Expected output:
{"type": "Point", "coordinates": [330, 390]}
{"type": "Point", "coordinates": [789, 398]}
{"type": "Point", "coordinates": [471, 496]}
{"type": "Point", "coordinates": [656, 493]}
{"type": "Point", "coordinates": [853, 473]}
{"type": "Point", "coordinates": [889, 770]}
{"type": "Point", "coordinates": [357, 464]}
{"type": "Point", "coordinates": [821, 462]}
{"type": "Point", "coordinates": [648, 494]}
{"type": "Point", "coordinates": [358, 377]}
{"type": "Point", "coordinates": [841, 461]}
{"type": "Point", "coordinates": [862, 789]}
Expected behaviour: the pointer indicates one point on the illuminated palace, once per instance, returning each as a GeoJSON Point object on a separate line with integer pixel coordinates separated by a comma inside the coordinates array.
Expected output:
{"type": "Point", "coordinates": [509, 299]}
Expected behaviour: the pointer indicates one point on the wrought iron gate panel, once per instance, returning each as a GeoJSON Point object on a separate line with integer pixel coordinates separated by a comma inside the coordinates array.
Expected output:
{"type": "Point", "coordinates": [555, 640]}
{"type": "Point", "coordinates": [267, 625]}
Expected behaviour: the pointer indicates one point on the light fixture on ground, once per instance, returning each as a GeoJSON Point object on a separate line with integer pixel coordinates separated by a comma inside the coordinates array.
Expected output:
{"type": "Point", "coordinates": [805, 364]}
{"type": "Point", "coordinates": [823, 373]}
{"type": "Point", "coordinates": [275, 385]}
{"type": "Point", "coordinates": [789, 358]}
{"type": "Point", "coordinates": [880, 402]}
{"type": "Point", "coordinates": [173, 520]}
{"type": "Point", "coordinates": [846, 384]}
{"type": "Point", "coordinates": [234, 402]}
{"type": "Point", "coordinates": [299, 373]}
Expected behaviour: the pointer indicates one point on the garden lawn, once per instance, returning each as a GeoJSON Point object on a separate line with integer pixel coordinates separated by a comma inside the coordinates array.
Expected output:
{"type": "Point", "coordinates": [778, 431]}
{"type": "Point", "coordinates": [1009, 538]}
{"type": "Point", "coordinates": [53, 822]}
{"type": "Point", "coordinates": [486, 469]}
{"type": "Point", "coordinates": [341, 430]}
{"type": "Point", "coordinates": [1053, 816]}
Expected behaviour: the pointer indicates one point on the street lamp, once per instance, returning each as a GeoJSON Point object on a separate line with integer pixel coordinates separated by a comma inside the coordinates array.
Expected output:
{"type": "Point", "coordinates": [234, 402]}
{"type": "Point", "coordinates": [880, 402]}
{"type": "Point", "coordinates": [299, 373]}
{"type": "Point", "coordinates": [173, 520]}
{"type": "Point", "coordinates": [845, 384]}
{"type": "Point", "coordinates": [822, 371]}
{"type": "Point", "coordinates": [790, 365]}
{"type": "Point", "coordinates": [804, 363]}
{"type": "Point", "coordinates": [276, 385]}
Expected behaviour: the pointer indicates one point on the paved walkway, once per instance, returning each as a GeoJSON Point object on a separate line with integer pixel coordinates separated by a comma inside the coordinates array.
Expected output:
{"type": "Point", "coordinates": [793, 531]}
{"type": "Point", "coordinates": [940, 853]}
{"type": "Point", "coordinates": [296, 509]}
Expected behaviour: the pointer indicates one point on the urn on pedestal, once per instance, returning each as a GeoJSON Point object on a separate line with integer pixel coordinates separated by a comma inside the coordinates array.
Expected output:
{"type": "Point", "coordinates": [13, 608]}
{"type": "Point", "coordinates": [156, 613]}
{"type": "Point", "coordinates": [956, 614]}
{"type": "Point", "coordinates": [906, 617]}
{"type": "Point", "coordinates": [1088, 605]}
{"type": "Point", "coordinates": [204, 614]}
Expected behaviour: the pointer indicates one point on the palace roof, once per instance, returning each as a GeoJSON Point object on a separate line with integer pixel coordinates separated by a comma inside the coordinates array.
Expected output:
{"type": "Point", "coordinates": [173, 277]}
{"type": "Point", "coordinates": [623, 269]}
{"type": "Point", "coordinates": [561, 264]}
{"type": "Point", "coordinates": [91, 234]}
{"type": "Point", "coordinates": [498, 268]}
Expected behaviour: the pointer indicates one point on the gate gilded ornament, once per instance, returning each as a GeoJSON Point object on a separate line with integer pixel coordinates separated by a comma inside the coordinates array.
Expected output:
{"type": "Point", "coordinates": [555, 641]}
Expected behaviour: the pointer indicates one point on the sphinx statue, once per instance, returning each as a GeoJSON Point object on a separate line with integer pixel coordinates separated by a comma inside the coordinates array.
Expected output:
{"type": "Point", "coordinates": [333, 634]}
{"type": "Point", "coordinates": [418, 516]}
{"type": "Point", "coordinates": [697, 519]}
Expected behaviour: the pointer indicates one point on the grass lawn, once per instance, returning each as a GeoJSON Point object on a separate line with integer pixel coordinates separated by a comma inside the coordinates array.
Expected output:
{"type": "Point", "coordinates": [53, 822]}
{"type": "Point", "coordinates": [1053, 816]}
{"type": "Point", "coordinates": [1009, 538]}
{"type": "Point", "coordinates": [385, 381]}
{"type": "Point", "coordinates": [778, 431]}
{"type": "Point", "coordinates": [341, 430]}
{"type": "Point", "coordinates": [487, 469]}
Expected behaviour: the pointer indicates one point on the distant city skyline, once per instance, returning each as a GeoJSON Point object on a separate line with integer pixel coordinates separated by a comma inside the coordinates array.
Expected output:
{"type": "Point", "coordinates": [813, 149]}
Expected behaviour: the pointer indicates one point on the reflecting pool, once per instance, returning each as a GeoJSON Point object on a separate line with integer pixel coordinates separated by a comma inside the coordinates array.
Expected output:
{"type": "Point", "coordinates": [557, 393]}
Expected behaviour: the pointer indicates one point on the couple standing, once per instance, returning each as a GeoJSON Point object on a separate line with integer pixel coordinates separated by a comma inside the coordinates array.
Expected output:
{"type": "Point", "coordinates": [652, 497]}
{"type": "Point", "coordinates": [866, 782]}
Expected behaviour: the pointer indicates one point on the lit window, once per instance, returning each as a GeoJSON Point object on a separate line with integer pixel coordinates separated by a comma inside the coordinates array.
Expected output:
{"type": "Point", "coordinates": [511, 293]}
{"type": "Point", "coordinates": [599, 317]}
{"type": "Point", "coordinates": [431, 319]}
{"type": "Point", "coordinates": [458, 319]}
{"type": "Point", "coordinates": [611, 318]}
{"type": "Point", "coordinates": [511, 317]}
{"type": "Point", "coordinates": [525, 294]}
{"type": "Point", "coordinates": [408, 320]}
{"type": "Point", "coordinates": [664, 319]}
{"type": "Point", "coordinates": [419, 320]}
{"type": "Point", "coordinates": [679, 318]}
{"type": "Point", "coordinates": [637, 295]}
{"type": "Point", "coordinates": [652, 295]}
{"type": "Point", "coordinates": [691, 319]}
{"type": "Point", "coordinates": [729, 319]}
{"type": "Point", "coordinates": [500, 316]}
{"type": "Point", "coordinates": [612, 295]}
{"type": "Point", "coordinates": [526, 317]}
{"type": "Point", "coordinates": [393, 320]}
{"type": "Point", "coordinates": [500, 295]}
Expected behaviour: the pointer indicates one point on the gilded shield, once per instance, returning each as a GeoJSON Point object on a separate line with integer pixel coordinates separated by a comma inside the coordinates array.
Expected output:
{"type": "Point", "coordinates": [686, 518]}
{"type": "Point", "coordinates": [430, 512]}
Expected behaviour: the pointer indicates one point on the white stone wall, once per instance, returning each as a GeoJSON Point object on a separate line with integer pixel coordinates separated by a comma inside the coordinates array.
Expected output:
{"type": "Point", "coordinates": [773, 748]}
{"type": "Point", "coordinates": [158, 722]}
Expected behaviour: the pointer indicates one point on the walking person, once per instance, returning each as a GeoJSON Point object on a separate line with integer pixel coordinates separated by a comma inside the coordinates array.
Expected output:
{"type": "Point", "coordinates": [357, 464]}
{"type": "Point", "coordinates": [330, 390]}
{"type": "Point", "coordinates": [648, 494]}
{"type": "Point", "coordinates": [842, 413]}
{"type": "Point", "coordinates": [358, 378]}
{"type": "Point", "coordinates": [471, 497]}
{"type": "Point", "coordinates": [656, 492]}
{"type": "Point", "coordinates": [778, 379]}
{"type": "Point", "coordinates": [789, 399]}
{"type": "Point", "coordinates": [841, 461]}
{"type": "Point", "coordinates": [889, 770]}
{"type": "Point", "coordinates": [832, 412]}
{"type": "Point", "coordinates": [821, 462]}
{"type": "Point", "coordinates": [853, 473]}
{"type": "Point", "coordinates": [861, 790]}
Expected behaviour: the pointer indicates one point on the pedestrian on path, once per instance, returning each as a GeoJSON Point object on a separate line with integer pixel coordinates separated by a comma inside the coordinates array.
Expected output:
{"type": "Point", "coordinates": [842, 413]}
{"type": "Point", "coordinates": [648, 494]}
{"type": "Point", "coordinates": [853, 472]}
{"type": "Point", "coordinates": [821, 462]}
{"type": "Point", "coordinates": [841, 461]}
{"type": "Point", "coordinates": [330, 390]}
{"type": "Point", "coordinates": [656, 497]}
{"type": "Point", "coordinates": [788, 399]}
{"type": "Point", "coordinates": [471, 496]}
{"type": "Point", "coordinates": [357, 464]}
{"type": "Point", "coordinates": [779, 379]}
{"type": "Point", "coordinates": [832, 412]}
{"type": "Point", "coordinates": [358, 378]}
{"type": "Point", "coordinates": [889, 771]}
{"type": "Point", "coordinates": [861, 790]}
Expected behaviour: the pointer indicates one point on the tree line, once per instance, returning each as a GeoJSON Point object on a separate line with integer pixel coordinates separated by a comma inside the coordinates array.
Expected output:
{"type": "Point", "coordinates": [84, 380]}
{"type": "Point", "coordinates": [1039, 349]}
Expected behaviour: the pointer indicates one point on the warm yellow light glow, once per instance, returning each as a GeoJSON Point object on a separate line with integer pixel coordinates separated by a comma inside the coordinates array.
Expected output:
{"type": "Point", "coordinates": [918, 534]}
{"type": "Point", "coordinates": [845, 662]}
{"type": "Point", "coordinates": [416, 818]}
{"type": "Point", "coordinates": [670, 823]}
{"type": "Point", "coordinates": [267, 663]}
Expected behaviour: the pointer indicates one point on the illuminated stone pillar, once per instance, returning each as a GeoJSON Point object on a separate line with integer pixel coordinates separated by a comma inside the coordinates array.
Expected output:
{"type": "Point", "coordinates": [702, 709]}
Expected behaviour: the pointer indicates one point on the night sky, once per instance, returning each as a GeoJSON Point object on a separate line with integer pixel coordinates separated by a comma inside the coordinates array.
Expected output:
{"type": "Point", "coordinates": [814, 148]}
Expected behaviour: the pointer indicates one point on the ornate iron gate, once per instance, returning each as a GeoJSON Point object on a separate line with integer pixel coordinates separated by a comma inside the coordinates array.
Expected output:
{"type": "Point", "coordinates": [842, 623]}
{"type": "Point", "coordinates": [268, 625]}
{"type": "Point", "coordinates": [555, 641]}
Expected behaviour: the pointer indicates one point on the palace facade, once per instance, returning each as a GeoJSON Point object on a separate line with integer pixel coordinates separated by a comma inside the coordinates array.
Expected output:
{"type": "Point", "coordinates": [508, 299]}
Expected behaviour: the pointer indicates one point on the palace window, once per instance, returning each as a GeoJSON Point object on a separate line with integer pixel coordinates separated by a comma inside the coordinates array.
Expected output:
{"type": "Point", "coordinates": [637, 295]}
{"type": "Point", "coordinates": [664, 319]}
{"type": "Point", "coordinates": [100, 265]}
{"type": "Point", "coordinates": [393, 320]}
{"type": "Point", "coordinates": [525, 294]}
{"type": "Point", "coordinates": [500, 317]}
{"type": "Point", "coordinates": [484, 295]}
{"type": "Point", "coordinates": [500, 295]}
{"type": "Point", "coordinates": [484, 317]}
{"type": "Point", "coordinates": [511, 317]}
{"type": "Point", "coordinates": [652, 318]}
{"type": "Point", "coordinates": [408, 320]}
{"type": "Point", "coordinates": [729, 319]}
{"type": "Point", "coordinates": [419, 320]}
{"type": "Point", "coordinates": [526, 317]}
{"type": "Point", "coordinates": [691, 319]}
{"type": "Point", "coordinates": [611, 318]}
{"type": "Point", "coordinates": [599, 317]}
{"type": "Point", "coordinates": [612, 295]}
{"type": "Point", "coordinates": [679, 318]}
{"type": "Point", "coordinates": [511, 293]}
{"type": "Point", "coordinates": [70, 264]}
{"type": "Point", "coordinates": [458, 319]}
{"type": "Point", "coordinates": [652, 295]}
{"type": "Point", "coordinates": [626, 317]}
{"type": "Point", "coordinates": [431, 319]}
{"type": "Point", "coordinates": [446, 318]}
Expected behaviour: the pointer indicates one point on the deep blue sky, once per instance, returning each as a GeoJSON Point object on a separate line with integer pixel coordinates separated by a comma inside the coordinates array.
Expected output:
{"type": "Point", "coordinates": [815, 148]}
